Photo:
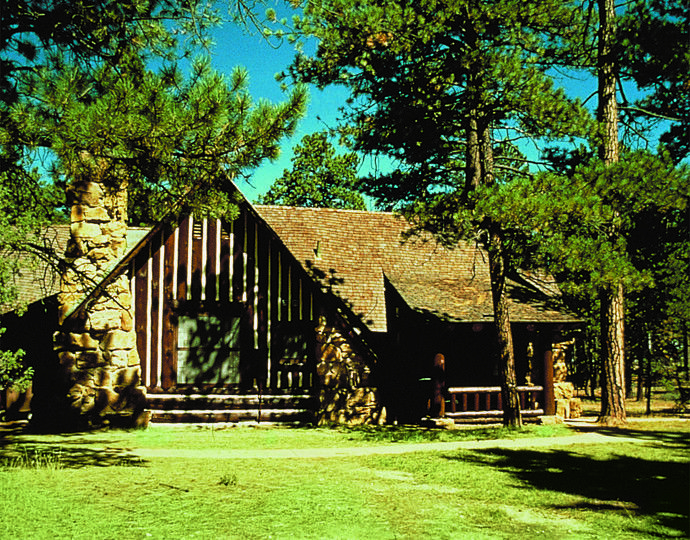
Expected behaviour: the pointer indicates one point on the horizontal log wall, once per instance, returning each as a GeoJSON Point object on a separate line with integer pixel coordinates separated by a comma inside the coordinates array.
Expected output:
{"type": "Point", "coordinates": [212, 264]}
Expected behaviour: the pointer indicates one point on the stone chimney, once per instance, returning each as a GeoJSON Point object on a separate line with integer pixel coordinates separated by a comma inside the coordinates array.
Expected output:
{"type": "Point", "coordinates": [96, 341]}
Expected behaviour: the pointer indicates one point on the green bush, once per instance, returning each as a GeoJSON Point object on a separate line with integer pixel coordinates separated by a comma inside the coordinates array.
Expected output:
{"type": "Point", "coordinates": [13, 373]}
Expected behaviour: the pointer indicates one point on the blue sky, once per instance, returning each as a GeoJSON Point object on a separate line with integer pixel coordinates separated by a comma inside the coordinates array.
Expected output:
{"type": "Point", "coordinates": [236, 47]}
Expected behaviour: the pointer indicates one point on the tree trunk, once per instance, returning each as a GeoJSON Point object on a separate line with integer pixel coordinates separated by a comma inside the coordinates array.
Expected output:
{"type": "Point", "coordinates": [684, 330]}
{"type": "Point", "coordinates": [511, 400]}
{"type": "Point", "coordinates": [648, 379]}
{"type": "Point", "coordinates": [612, 373]}
{"type": "Point", "coordinates": [473, 166]}
{"type": "Point", "coordinates": [612, 302]}
{"type": "Point", "coordinates": [640, 378]}
{"type": "Point", "coordinates": [481, 144]}
{"type": "Point", "coordinates": [607, 109]}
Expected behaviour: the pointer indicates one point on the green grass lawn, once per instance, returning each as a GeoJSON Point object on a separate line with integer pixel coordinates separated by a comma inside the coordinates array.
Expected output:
{"type": "Point", "coordinates": [94, 486]}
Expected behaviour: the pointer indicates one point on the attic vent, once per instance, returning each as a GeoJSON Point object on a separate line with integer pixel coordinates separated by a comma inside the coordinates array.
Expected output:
{"type": "Point", "coordinates": [197, 230]}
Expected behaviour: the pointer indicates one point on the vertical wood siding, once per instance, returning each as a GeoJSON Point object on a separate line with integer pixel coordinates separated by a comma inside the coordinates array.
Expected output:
{"type": "Point", "coordinates": [238, 267]}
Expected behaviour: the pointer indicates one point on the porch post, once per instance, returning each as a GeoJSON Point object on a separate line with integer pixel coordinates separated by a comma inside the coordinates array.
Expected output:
{"type": "Point", "coordinates": [549, 398]}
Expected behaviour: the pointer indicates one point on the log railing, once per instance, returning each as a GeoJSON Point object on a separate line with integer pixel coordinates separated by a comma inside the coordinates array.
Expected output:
{"type": "Point", "coordinates": [482, 401]}
{"type": "Point", "coordinates": [293, 375]}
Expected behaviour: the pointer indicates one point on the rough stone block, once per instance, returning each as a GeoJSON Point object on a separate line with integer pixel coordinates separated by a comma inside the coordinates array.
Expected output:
{"type": "Point", "coordinates": [82, 341]}
{"type": "Point", "coordinates": [118, 246]}
{"type": "Point", "coordinates": [96, 214]}
{"type": "Point", "coordinates": [132, 358]}
{"type": "Point", "coordinates": [124, 299]}
{"type": "Point", "coordinates": [560, 372]}
{"type": "Point", "coordinates": [88, 359]}
{"type": "Point", "coordinates": [76, 248]}
{"type": "Point", "coordinates": [101, 254]}
{"type": "Point", "coordinates": [119, 286]}
{"type": "Point", "coordinates": [77, 213]}
{"type": "Point", "coordinates": [82, 398]}
{"type": "Point", "coordinates": [134, 397]}
{"type": "Point", "coordinates": [118, 339]}
{"type": "Point", "coordinates": [102, 377]}
{"type": "Point", "coordinates": [351, 406]}
{"type": "Point", "coordinates": [105, 320]}
{"type": "Point", "coordinates": [364, 376]}
{"type": "Point", "coordinates": [330, 353]}
{"type": "Point", "coordinates": [67, 359]}
{"type": "Point", "coordinates": [126, 322]}
{"type": "Point", "coordinates": [118, 358]}
{"type": "Point", "coordinates": [333, 375]}
{"type": "Point", "coordinates": [108, 400]}
{"type": "Point", "coordinates": [550, 420]}
{"type": "Point", "coordinates": [130, 376]}
{"type": "Point", "coordinates": [60, 340]}
{"type": "Point", "coordinates": [563, 408]}
{"type": "Point", "coordinates": [83, 229]}
{"type": "Point", "coordinates": [86, 193]}
{"type": "Point", "coordinates": [361, 397]}
{"type": "Point", "coordinates": [575, 407]}
{"type": "Point", "coordinates": [114, 228]}
{"type": "Point", "coordinates": [563, 390]}
{"type": "Point", "coordinates": [100, 240]}
{"type": "Point", "coordinates": [82, 377]}
{"type": "Point", "coordinates": [141, 421]}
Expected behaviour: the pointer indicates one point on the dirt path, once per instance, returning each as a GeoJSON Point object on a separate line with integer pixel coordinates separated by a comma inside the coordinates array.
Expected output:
{"type": "Point", "coordinates": [401, 448]}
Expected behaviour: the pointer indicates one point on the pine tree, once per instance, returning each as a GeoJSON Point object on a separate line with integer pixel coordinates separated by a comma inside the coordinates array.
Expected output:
{"type": "Point", "coordinates": [439, 89]}
{"type": "Point", "coordinates": [652, 43]}
{"type": "Point", "coordinates": [612, 298]}
{"type": "Point", "coordinates": [35, 35]}
{"type": "Point", "coordinates": [319, 178]}
{"type": "Point", "coordinates": [111, 125]}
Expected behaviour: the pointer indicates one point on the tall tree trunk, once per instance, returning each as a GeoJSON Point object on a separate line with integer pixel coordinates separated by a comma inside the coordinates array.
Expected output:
{"type": "Point", "coordinates": [512, 416]}
{"type": "Point", "coordinates": [612, 373]}
{"type": "Point", "coordinates": [612, 300]}
{"type": "Point", "coordinates": [473, 166]}
{"type": "Point", "coordinates": [648, 379]}
{"type": "Point", "coordinates": [480, 170]}
{"type": "Point", "coordinates": [684, 330]}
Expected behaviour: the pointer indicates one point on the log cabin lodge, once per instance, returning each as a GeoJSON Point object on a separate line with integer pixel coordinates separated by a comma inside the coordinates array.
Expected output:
{"type": "Point", "coordinates": [293, 314]}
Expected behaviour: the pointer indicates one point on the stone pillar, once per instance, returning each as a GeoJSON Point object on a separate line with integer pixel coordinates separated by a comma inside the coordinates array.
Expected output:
{"type": "Point", "coordinates": [345, 394]}
{"type": "Point", "coordinates": [567, 405]}
{"type": "Point", "coordinates": [96, 344]}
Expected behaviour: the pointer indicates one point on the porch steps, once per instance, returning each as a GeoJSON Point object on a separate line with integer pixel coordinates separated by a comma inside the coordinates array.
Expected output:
{"type": "Point", "coordinates": [211, 408]}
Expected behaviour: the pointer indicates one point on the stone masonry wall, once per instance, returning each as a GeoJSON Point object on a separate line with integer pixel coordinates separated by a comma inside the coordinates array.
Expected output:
{"type": "Point", "coordinates": [567, 406]}
{"type": "Point", "coordinates": [96, 346]}
{"type": "Point", "coordinates": [346, 395]}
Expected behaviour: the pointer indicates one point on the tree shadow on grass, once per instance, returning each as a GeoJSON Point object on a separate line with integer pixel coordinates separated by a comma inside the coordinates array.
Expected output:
{"type": "Point", "coordinates": [56, 456]}
{"type": "Point", "coordinates": [69, 451]}
{"type": "Point", "coordinates": [667, 438]}
{"type": "Point", "coordinates": [614, 483]}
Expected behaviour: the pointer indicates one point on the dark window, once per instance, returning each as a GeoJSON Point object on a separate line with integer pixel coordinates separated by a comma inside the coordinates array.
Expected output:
{"type": "Point", "coordinates": [208, 349]}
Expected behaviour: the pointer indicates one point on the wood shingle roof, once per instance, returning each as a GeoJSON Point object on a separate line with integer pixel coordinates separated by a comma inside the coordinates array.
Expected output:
{"type": "Point", "coordinates": [355, 252]}
{"type": "Point", "coordinates": [39, 279]}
